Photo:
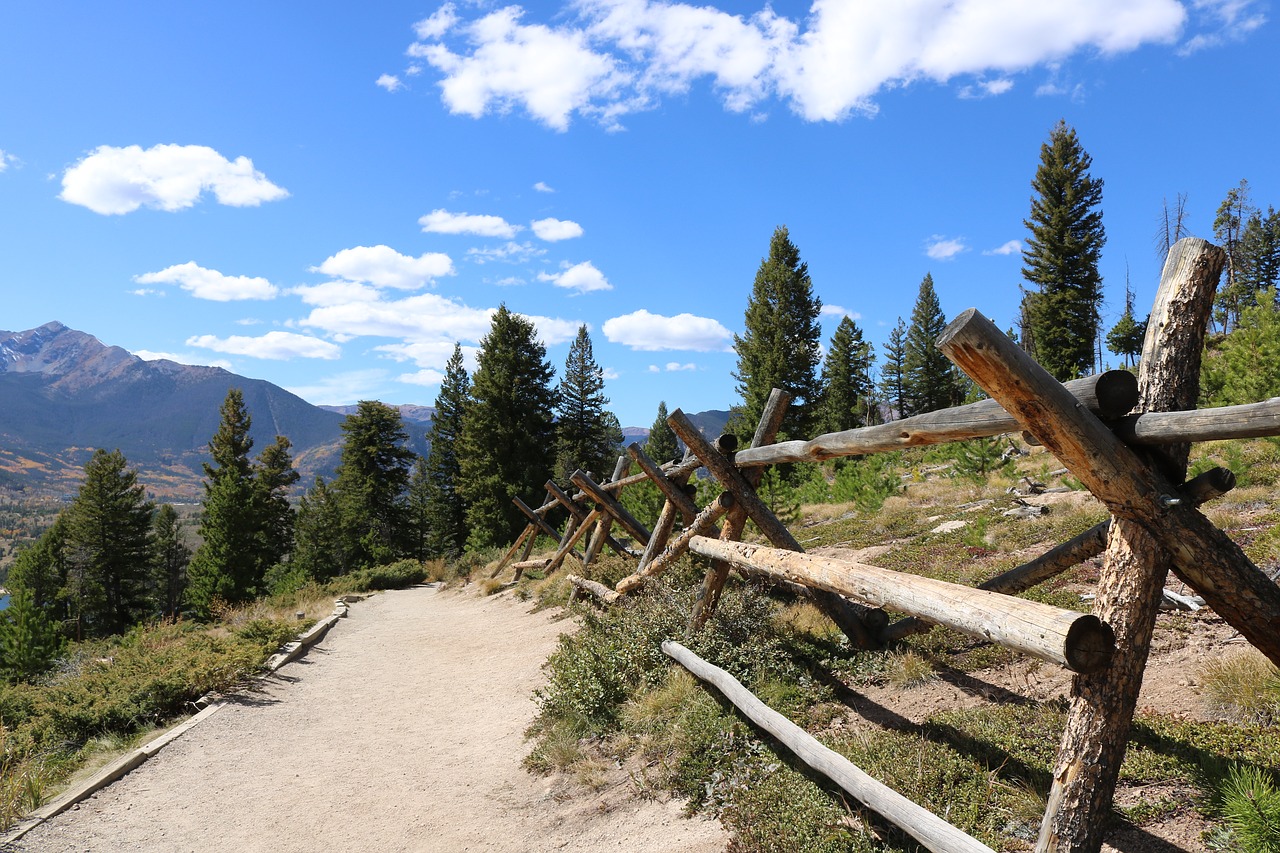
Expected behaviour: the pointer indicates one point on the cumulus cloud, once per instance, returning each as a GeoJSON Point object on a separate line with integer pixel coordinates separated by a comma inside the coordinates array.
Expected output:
{"type": "Point", "coordinates": [423, 317]}
{"type": "Point", "coordinates": [383, 266]}
{"type": "Point", "coordinates": [428, 354]}
{"type": "Point", "coordinates": [641, 330]}
{"type": "Point", "coordinates": [278, 346]}
{"type": "Point", "coordinates": [6, 160]}
{"type": "Point", "coordinates": [1012, 247]}
{"type": "Point", "coordinates": [986, 88]}
{"type": "Point", "coordinates": [444, 222]}
{"type": "Point", "coordinates": [839, 311]}
{"type": "Point", "coordinates": [603, 59]}
{"type": "Point", "coordinates": [944, 248]}
{"type": "Point", "coordinates": [336, 293]}
{"type": "Point", "coordinates": [553, 230]}
{"type": "Point", "coordinates": [553, 330]}
{"type": "Point", "coordinates": [674, 366]}
{"type": "Point", "coordinates": [165, 177]}
{"type": "Point", "coordinates": [426, 376]}
{"type": "Point", "coordinates": [182, 358]}
{"type": "Point", "coordinates": [610, 373]}
{"type": "Point", "coordinates": [341, 389]}
{"type": "Point", "coordinates": [210, 284]}
{"type": "Point", "coordinates": [510, 252]}
{"type": "Point", "coordinates": [581, 278]}
{"type": "Point", "coordinates": [1223, 22]}
{"type": "Point", "coordinates": [390, 82]}
{"type": "Point", "coordinates": [543, 188]}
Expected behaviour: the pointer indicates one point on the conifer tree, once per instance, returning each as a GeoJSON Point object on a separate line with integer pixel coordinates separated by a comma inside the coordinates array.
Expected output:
{"type": "Point", "coordinates": [417, 512]}
{"type": "Point", "coordinates": [781, 344]}
{"type": "Point", "coordinates": [370, 485]}
{"type": "Point", "coordinates": [41, 568]}
{"type": "Point", "coordinates": [508, 434]}
{"type": "Point", "coordinates": [446, 514]}
{"type": "Point", "coordinates": [587, 433]}
{"type": "Point", "coordinates": [1228, 229]}
{"type": "Point", "coordinates": [1126, 336]}
{"type": "Point", "coordinates": [1061, 257]}
{"type": "Point", "coordinates": [319, 550]}
{"type": "Point", "coordinates": [893, 374]}
{"type": "Point", "coordinates": [169, 563]}
{"type": "Point", "coordinates": [846, 379]}
{"type": "Point", "coordinates": [273, 477]}
{"type": "Point", "coordinates": [662, 444]}
{"type": "Point", "coordinates": [1259, 254]}
{"type": "Point", "coordinates": [109, 547]}
{"type": "Point", "coordinates": [29, 639]}
{"type": "Point", "coordinates": [929, 381]}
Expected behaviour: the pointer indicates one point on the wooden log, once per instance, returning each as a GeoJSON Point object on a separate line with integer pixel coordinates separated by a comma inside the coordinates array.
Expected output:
{"type": "Point", "coordinates": [595, 588]}
{"type": "Point", "coordinates": [572, 535]}
{"type": "Point", "coordinates": [1087, 545]}
{"type": "Point", "coordinates": [1203, 556]}
{"type": "Point", "coordinates": [837, 609]}
{"type": "Point", "coordinates": [1078, 641]}
{"type": "Point", "coordinates": [575, 509]}
{"type": "Point", "coordinates": [1110, 394]}
{"type": "Point", "coordinates": [609, 504]}
{"type": "Point", "coordinates": [538, 521]}
{"type": "Point", "coordinates": [1251, 420]}
{"type": "Point", "coordinates": [511, 552]}
{"type": "Point", "coordinates": [673, 491]}
{"type": "Point", "coordinates": [604, 522]}
{"type": "Point", "coordinates": [703, 524]}
{"type": "Point", "coordinates": [921, 824]}
{"type": "Point", "coordinates": [530, 564]}
{"type": "Point", "coordinates": [665, 524]}
{"type": "Point", "coordinates": [686, 467]}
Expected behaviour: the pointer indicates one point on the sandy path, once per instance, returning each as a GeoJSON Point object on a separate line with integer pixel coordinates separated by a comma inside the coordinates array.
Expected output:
{"type": "Point", "coordinates": [403, 730]}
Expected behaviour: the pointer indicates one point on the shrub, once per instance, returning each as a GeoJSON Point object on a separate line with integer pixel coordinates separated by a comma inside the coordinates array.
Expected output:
{"type": "Point", "coordinates": [1250, 804]}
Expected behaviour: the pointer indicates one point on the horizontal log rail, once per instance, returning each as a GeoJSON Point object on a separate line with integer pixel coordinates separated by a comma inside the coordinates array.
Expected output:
{"type": "Point", "coordinates": [1079, 641]}
{"type": "Point", "coordinates": [1251, 420]}
{"type": "Point", "coordinates": [921, 824]}
{"type": "Point", "coordinates": [594, 588]}
{"type": "Point", "coordinates": [1111, 395]}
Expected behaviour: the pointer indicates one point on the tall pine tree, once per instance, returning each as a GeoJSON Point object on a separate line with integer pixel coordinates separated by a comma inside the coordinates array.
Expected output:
{"type": "Point", "coordinates": [662, 444]}
{"type": "Point", "coordinates": [846, 379]}
{"type": "Point", "coordinates": [894, 373]}
{"type": "Point", "coordinates": [446, 514]}
{"type": "Point", "coordinates": [929, 380]}
{"type": "Point", "coordinates": [370, 486]}
{"type": "Point", "coordinates": [508, 434]}
{"type": "Point", "coordinates": [781, 344]}
{"type": "Point", "coordinates": [169, 563]}
{"type": "Point", "coordinates": [1061, 257]}
{"type": "Point", "coordinates": [587, 433]}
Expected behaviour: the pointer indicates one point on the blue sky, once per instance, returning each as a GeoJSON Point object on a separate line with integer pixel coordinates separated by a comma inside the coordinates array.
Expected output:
{"type": "Point", "coordinates": [328, 195]}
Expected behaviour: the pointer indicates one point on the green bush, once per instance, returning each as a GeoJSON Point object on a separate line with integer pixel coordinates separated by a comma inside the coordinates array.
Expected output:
{"type": "Point", "coordinates": [1250, 805]}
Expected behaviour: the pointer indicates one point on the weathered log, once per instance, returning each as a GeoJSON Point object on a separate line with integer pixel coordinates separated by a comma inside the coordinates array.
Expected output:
{"type": "Point", "coordinates": [1110, 394]}
{"type": "Point", "coordinates": [665, 524]}
{"type": "Point", "coordinates": [686, 467]}
{"type": "Point", "coordinates": [573, 533]}
{"type": "Point", "coordinates": [673, 491]}
{"type": "Point", "coordinates": [537, 520]}
{"type": "Point", "coordinates": [511, 552]}
{"type": "Point", "coordinates": [703, 524]}
{"type": "Point", "coordinates": [921, 824]}
{"type": "Point", "coordinates": [1251, 420]}
{"type": "Point", "coordinates": [604, 522]}
{"type": "Point", "coordinates": [595, 588]}
{"type": "Point", "coordinates": [609, 504]}
{"type": "Point", "coordinates": [530, 564]}
{"type": "Point", "coordinates": [836, 608]}
{"type": "Point", "coordinates": [1078, 641]}
{"type": "Point", "coordinates": [1087, 545]}
{"type": "Point", "coordinates": [575, 509]}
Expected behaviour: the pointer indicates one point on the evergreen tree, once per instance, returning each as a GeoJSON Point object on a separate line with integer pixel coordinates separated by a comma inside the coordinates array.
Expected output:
{"type": "Point", "coordinates": [781, 344]}
{"type": "Point", "coordinates": [109, 548]}
{"type": "Point", "coordinates": [1228, 229]}
{"type": "Point", "coordinates": [417, 512]}
{"type": "Point", "coordinates": [1244, 366]}
{"type": "Point", "coordinates": [1061, 257]}
{"type": "Point", "coordinates": [446, 514]}
{"type": "Point", "coordinates": [662, 444]}
{"type": "Point", "coordinates": [226, 566]}
{"type": "Point", "coordinates": [893, 374]}
{"type": "Point", "coordinates": [370, 485]}
{"type": "Point", "coordinates": [587, 434]}
{"type": "Point", "coordinates": [1259, 263]}
{"type": "Point", "coordinates": [41, 569]}
{"type": "Point", "coordinates": [846, 379]}
{"type": "Point", "coordinates": [273, 477]}
{"type": "Point", "coordinates": [319, 550]}
{"type": "Point", "coordinates": [29, 639]}
{"type": "Point", "coordinates": [1126, 336]}
{"type": "Point", "coordinates": [507, 446]}
{"type": "Point", "coordinates": [929, 381]}
{"type": "Point", "coordinates": [169, 563]}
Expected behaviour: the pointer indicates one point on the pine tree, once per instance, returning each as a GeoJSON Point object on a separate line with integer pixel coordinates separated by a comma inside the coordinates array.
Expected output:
{"type": "Point", "coordinates": [29, 639]}
{"type": "Point", "coordinates": [1259, 254]}
{"type": "Point", "coordinates": [226, 566]}
{"type": "Point", "coordinates": [273, 477]}
{"type": "Point", "coordinates": [508, 434]}
{"type": "Point", "coordinates": [370, 485]}
{"type": "Point", "coordinates": [319, 549]}
{"type": "Point", "coordinates": [109, 547]}
{"type": "Point", "coordinates": [42, 567]}
{"type": "Point", "coordinates": [1244, 366]}
{"type": "Point", "coordinates": [446, 514]}
{"type": "Point", "coordinates": [929, 379]}
{"type": "Point", "coordinates": [781, 344]}
{"type": "Point", "coordinates": [893, 374]}
{"type": "Point", "coordinates": [417, 512]}
{"type": "Point", "coordinates": [587, 434]}
{"type": "Point", "coordinates": [169, 563]}
{"type": "Point", "coordinates": [662, 444]}
{"type": "Point", "coordinates": [1061, 257]}
{"type": "Point", "coordinates": [1126, 336]}
{"type": "Point", "coordinates": [846, 379]}
{"type": "Point", "coordinates": [1228, 230]}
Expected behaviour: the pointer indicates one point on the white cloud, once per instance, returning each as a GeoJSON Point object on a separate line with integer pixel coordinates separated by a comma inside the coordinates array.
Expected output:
{"type": "Point", "coordinates": [944, 248]}
{"type": "Point", "coordinates": [146, 291]}
{"type": "Point", "coordinates": [610, 374]}
{"type": "Point", "coordinates": [553, 230]}
{"type": "Point", "coordinates": [426, 376]}
{"type": "Point", "coordinates": [423, 317]}
{"type": "Point", "coordinates": [390, 82]}
{"type": "Point", "coordinates": [428, 354]}
{"type": "Point", "coordinates": [1012, 247]}
{"type": "Point", "coordinates": [674, 366]}
{"type": "Point", "coordinates": [273, 345]}
{"type": "Point", "coordinates": [383, 266]}
{"type": "Point", "coordinates": [182, 358]}
{"type": "Point", "coordinates": [1227, 21]}
{"type": "Point", "coordinates": [606, 58]}
{"type": "Point", "coordinates": [336, 293]}
{"type": "Point", "coordinates": [210, 284]}
{"type": "Point", "coordinates": [165, 177]}
{"type": "Point", "coordinates": [439, 23]}
{"type": "Point", "coordinates": [509, 281]}
{"type": "Point", "coordinates": [583, 278]}
{"type": "Point", "coordinates": [653, 368]}
{"type": "Point", "coordinates": [444, 222]}
{"type": "Point", "coordinates": [553, 330]}
{"type": "Point", "coordinates": [644, 331]}
{"type": "Point", "coordinates": [6, 160]}
{"type": "Point", "coordinates": [341, 389]}
{"type": "Point", "coordinates": [543, 188]}
{"type": "Point", "coordinates": [508, 253]}
{"type": "Point", "coordinates": [839, 311]}
{"type": "Point", "coordinates": [986, 88]}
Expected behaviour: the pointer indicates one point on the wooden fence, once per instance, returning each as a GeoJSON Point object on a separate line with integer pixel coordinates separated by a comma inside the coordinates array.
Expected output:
{"type": "Point", "coordinates": [1126, 440]}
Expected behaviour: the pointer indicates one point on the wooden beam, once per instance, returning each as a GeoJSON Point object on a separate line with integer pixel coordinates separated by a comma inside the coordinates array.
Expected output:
{"type": "Point", "coordinates": [511, 552]}
{"type": "Point", "coordinates": [1078, 641]}
{"type": "Point", "coordinates": [565, 501]}
{"type": "Point", "coordinates": [538, 521]}
{"type": "Point", "coordinates": [609, 504]}
{"type": "Point", "coordinates": [573, 534]}
{"type": "Point", "coordinates": [1251, 420]}
{"type": "Point", "coordinates": [673, 491]}
{"type": "Point", "coordinates": [595, 588]}
{"type": "Point", "coordinates": [704, 523]}
{"type": "Point", "coordinates": [1110, 394]}
{"type": "Point", "coordinates": [666, 522]}
{"type": "Point", "coordinates": [921, 824]}
{"type": "Point", "coordinates": [604, 522]}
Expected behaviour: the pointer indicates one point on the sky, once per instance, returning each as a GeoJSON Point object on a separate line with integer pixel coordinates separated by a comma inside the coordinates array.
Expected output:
{"type": "Point", "coordinates": [329, 195]}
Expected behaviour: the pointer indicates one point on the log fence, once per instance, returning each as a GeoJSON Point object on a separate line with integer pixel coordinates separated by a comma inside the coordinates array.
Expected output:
{"type": "Point", "coordinates": [1125, 438]}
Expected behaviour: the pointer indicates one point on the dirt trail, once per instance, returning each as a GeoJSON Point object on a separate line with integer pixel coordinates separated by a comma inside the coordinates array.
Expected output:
{"type": "Point", "coordinates": [402, 731]}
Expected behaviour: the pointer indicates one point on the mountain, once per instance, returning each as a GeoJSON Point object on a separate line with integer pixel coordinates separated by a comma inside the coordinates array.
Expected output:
{"type": "Point", "coordinates": [409, 413]}
{"type": "Point", "coordinates": [65, 394]}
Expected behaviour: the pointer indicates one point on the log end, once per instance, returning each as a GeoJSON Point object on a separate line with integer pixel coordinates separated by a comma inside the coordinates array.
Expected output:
{"type": "Point", "coordinates": [1090, 644]}
{"type": "Point", "coordinates": [963, 319]}
{"type": "Point", "coordinates": [1117, 392]}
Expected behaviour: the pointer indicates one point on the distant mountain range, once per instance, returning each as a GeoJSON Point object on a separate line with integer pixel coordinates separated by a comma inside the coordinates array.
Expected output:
{"type": "Point", "coordinates": [63, 394]}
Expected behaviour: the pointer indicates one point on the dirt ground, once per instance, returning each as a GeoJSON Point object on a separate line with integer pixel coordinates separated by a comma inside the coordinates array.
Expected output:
{"type": "Point", "coordinates": [401, 731]}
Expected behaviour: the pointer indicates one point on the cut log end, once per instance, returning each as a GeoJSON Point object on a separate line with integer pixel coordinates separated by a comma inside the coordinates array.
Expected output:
{"type": "Point", "coordinates": [1117, 392]}
{"type": "Point", "coordinates": [1090, 645]}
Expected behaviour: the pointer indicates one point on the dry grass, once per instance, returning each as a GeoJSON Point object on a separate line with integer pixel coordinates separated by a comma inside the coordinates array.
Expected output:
{"type": "Point", "coordinates": [906, 669]}
{"type": "Point", "coordinates": [1245, 685]}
